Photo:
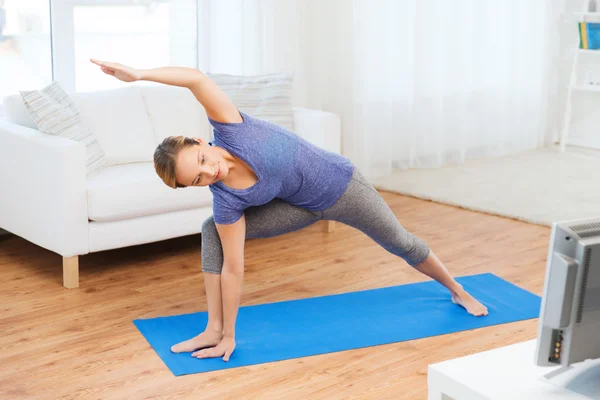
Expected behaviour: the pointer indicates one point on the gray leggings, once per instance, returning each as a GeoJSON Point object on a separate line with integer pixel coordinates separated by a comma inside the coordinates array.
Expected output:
{"type": "Point", "coordinates": [361, 207]}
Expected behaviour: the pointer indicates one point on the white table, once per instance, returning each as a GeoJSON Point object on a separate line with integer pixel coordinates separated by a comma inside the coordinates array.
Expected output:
{"type": "Point", "coordinates": [507, 373]}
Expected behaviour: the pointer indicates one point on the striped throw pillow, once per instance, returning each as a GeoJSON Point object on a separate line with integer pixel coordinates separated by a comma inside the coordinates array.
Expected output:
{"type": "Point", "coordinates": [55, 113]}
{"type": "Point", "coordinates": [267, 97]}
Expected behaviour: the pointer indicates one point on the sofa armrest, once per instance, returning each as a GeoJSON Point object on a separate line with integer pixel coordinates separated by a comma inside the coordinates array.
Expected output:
{"type": "Point", "coordinates": [319, 127]}
{"type": "Point", "coordinates": [43, 181]}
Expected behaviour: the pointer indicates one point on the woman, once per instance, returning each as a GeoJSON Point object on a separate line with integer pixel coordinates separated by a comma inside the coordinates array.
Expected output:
{"type": "Point", "coordinates": [267, 181]}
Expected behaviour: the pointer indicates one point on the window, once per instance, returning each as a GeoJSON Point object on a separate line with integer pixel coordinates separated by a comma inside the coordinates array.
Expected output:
{"type": "Point", "coordinates": [45, 40]}
{"type": "Point", "coordinates": [149, 35]}
{"type": "Point", "coordinates": [25, 48]}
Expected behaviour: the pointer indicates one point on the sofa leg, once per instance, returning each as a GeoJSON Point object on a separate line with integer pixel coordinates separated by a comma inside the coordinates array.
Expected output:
{"type": "Point", "coordinates": [329, 226]}
{"type": "Point", "coordinates": [71, 272]}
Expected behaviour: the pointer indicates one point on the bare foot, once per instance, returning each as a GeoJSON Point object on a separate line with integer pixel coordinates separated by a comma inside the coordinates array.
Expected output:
{"type": "Point", "coordinates": [469, 303]}
{"type": "Point", "coordinates": [205, 339]}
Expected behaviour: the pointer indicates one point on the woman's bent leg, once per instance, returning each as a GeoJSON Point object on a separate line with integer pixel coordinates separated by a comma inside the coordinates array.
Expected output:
{"type": "Point", "coordinates": [272, 219]}
{"type": "Point", "coordinates": [213, 333]}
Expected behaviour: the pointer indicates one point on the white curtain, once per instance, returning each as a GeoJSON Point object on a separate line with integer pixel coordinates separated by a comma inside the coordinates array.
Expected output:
{"type": "Point", "coordinates": [418, 84]}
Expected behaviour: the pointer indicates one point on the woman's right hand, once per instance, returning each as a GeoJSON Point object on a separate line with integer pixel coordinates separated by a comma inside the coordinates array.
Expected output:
{"type": "Point", "coordinates": [119, 71]}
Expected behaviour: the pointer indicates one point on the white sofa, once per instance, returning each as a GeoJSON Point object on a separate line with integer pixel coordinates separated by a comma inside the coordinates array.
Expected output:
{"type": "Point", "coordinates": [48, 199]}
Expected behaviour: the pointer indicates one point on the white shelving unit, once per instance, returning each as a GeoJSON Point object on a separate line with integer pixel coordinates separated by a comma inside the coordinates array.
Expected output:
{"type": "Point", "coordinates": [574, 86]}
{"type": "Point", "coordinates": [586, 88]}
{"type": "Point", "coordinates": [586, 14]}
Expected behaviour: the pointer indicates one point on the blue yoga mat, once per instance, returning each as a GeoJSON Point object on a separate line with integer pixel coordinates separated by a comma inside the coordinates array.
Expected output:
{"type": "Point", "coordinates": [300, 328]}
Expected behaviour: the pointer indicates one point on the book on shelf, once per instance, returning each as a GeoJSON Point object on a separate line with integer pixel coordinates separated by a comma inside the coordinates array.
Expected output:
{"type": "Point", "coordinates": [589, 35]}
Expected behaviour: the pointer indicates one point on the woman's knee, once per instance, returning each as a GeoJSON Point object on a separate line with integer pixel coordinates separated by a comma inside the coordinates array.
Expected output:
{"type": "Point", "coordinates": [211, 269]}
{"type": "Point", "coordinates": [209, 226]}
{"type": "Point", "coordinates": [412, 249]}
{"type": "Point", "coordinates": [212, 252]}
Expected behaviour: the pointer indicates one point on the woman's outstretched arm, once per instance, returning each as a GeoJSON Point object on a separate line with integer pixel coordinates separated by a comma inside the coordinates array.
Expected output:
{"type": "Point", "coordinates": [217, 104]}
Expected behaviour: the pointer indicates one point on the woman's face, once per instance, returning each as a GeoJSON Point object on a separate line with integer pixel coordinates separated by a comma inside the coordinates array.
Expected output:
{"type": "Point", "coordinates": [200, 165]}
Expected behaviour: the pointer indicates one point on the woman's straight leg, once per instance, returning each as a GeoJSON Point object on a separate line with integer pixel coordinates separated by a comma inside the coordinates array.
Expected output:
{"type": "Point", "coordinates": [363, 208]}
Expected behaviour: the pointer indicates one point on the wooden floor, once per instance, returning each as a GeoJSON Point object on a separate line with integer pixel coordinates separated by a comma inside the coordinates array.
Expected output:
{"type": "Point", "coordinates": [57, 343]}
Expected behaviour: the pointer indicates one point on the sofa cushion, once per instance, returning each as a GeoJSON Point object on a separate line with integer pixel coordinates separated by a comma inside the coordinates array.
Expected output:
{"type": "Point", "coordinates": [135, 190]}
{"type": "Point", "coordinates": [54, 113]}
{"type": "Point", "coordinates": [119, 120]}
{"type": "Point", "coordinates": [174, 111]}
{"type": "Point", "coordinates": [267, 97]}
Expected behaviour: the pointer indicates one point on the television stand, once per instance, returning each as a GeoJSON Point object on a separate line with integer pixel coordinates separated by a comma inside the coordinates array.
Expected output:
{"type": "Point", "coordinates": [510, 373]}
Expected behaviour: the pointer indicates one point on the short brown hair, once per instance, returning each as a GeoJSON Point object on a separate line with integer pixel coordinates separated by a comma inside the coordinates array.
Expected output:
{"type": "Point", "coordinates": [165, 155]}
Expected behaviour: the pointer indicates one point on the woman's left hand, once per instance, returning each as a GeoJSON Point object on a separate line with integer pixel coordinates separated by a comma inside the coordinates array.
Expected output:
{"type": "Point", "coordinates": [119, 71]}
{"type": "Point", "coordinates": [224, 348]}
